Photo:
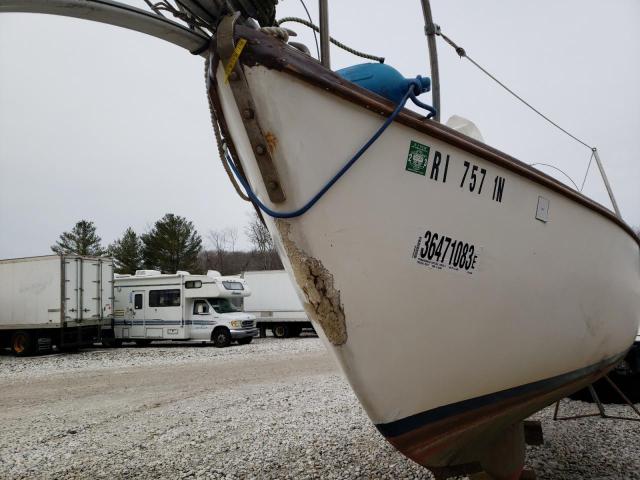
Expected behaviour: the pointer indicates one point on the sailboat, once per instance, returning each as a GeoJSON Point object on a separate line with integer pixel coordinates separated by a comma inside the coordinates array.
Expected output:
{"type": "Point", "coordinates": [504, 290]}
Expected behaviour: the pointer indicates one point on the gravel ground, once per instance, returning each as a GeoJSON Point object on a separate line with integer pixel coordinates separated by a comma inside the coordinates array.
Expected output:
{"type": "Point", "coordinates": [270, 410]}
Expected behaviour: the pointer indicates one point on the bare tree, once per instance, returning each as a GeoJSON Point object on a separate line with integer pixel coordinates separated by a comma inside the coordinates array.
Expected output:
{"type": "Point", "coordinates": [223, 254]}
{"type": "Point", "coordinates": [262, 242]}
{"type": "Point", "coordinates": [223, 243]}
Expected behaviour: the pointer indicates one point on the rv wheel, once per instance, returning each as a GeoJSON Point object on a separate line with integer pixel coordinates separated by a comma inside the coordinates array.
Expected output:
{"type": "Point", "coordinates": [22, 344]}
{"type": "Point", "coordinates": [221, 337]}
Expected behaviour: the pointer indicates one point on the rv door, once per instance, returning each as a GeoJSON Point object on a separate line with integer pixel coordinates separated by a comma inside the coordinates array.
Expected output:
{"type": "Point", "coordinates": [138, 300]}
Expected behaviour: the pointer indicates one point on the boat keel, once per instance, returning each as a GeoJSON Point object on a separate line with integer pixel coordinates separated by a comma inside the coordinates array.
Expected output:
{"type": "Point", "coordinates": [502, 459]}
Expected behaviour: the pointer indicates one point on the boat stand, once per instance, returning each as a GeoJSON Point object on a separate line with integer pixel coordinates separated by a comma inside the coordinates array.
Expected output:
{"type": "Point", "coordinates": [601, 411]}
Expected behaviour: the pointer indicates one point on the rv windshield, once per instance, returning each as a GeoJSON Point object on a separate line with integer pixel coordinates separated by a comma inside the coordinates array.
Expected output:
{"type": "Point", "coordinates": [224, 305]}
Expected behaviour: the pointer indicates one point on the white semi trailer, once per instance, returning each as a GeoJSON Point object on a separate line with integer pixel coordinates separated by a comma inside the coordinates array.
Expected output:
{"type": "Point", "coordinates": [275, 304]}
{"type": "Point", "coordinates": [60, 300]}
{"type": "Point", "coordinates": [153, 306]}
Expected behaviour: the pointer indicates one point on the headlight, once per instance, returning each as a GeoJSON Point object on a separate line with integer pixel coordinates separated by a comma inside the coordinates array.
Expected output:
{"type": "Point", "coordinates": [236, 323]}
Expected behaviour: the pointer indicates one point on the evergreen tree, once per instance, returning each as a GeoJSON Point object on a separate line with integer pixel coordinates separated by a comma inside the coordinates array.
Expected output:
{"type": "Point", "coordinates": [127, 252]}
{"type": "Point", "coordinates": [81, 240]}
{"type": "Point", "coordinates": [172, 244]}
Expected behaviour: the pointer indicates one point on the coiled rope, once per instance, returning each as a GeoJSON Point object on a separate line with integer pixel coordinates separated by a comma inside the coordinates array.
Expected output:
{"type": "Point", "coordinates": [331, 39]}
{"type": "Point", "coordinates": [413, 86]}
{"type": "Point", "coordinates": [222, 150]}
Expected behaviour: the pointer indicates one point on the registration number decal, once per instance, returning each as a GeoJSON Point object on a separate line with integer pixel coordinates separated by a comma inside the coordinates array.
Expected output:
{"type": "Point", "coordinates": [442, 167]}
{"type": "Point", "coordinates": [443, 252]}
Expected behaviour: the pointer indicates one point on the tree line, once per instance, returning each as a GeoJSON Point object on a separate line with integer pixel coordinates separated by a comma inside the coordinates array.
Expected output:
{"type": "Point", "coordinates": [173, 244]}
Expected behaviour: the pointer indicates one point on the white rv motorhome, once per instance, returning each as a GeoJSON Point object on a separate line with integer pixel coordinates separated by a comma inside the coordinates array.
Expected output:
{"type": "Point", "coordinates": [153, 306]}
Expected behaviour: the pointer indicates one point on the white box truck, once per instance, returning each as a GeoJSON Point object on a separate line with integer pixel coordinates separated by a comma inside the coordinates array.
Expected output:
{"type": "Point", "coordinates": [60, 300]}
{"type": "Point", "coordinates": [275, 304]}
{"type": "Point", "coordinates": [201, 308]}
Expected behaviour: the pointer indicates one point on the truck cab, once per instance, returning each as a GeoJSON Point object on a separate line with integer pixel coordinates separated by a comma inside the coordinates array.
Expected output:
{"type": "Point", "coordinates": [207, 313]}
{"type": "Point", "coordinates": [153, 306]}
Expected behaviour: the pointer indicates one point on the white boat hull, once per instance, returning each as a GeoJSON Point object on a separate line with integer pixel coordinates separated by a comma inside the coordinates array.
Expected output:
{"type": "Point", "coordinates": [443, 358]}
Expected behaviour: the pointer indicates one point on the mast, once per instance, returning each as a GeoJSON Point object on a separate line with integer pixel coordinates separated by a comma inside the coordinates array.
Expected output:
{"type": "Point", "coordinates": [430, 30]}
{"type": "Point", "coordinates": [325, 58]}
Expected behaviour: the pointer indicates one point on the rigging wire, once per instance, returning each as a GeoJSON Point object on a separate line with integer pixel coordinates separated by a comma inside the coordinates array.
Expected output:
{"type": "Point", "coordinates": [315, 35]}
{"type": "Point", "coordinates": [587, 171]}
{"type": "Point", "coordinates": [462, 53]}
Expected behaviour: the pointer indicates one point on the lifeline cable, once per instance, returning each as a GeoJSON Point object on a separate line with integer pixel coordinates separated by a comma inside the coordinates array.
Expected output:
{"type": "Point", "coordinates": [559, 170]}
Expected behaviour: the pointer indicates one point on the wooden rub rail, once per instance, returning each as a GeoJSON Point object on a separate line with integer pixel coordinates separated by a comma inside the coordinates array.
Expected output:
{"type": "Point", "coordinates": [270, 52]}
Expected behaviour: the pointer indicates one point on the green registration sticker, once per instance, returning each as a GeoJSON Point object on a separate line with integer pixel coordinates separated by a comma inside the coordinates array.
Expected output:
{"type": "Point", "coordinates": [417, 158]}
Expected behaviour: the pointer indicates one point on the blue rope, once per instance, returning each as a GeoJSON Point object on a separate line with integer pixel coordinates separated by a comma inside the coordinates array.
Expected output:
{"type": "Point", "coordinates": [302, 210]}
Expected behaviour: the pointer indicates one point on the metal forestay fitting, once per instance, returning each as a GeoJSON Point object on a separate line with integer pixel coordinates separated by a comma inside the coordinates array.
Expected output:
{"type": "Point", "coordinates": [242, 95]}
{"type": "Point", "coordinates": [300, 211]}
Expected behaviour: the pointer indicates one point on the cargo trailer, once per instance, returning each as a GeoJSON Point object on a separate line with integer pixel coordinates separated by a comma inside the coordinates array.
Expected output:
{"type": "Point", "coordinates": [60, 300]}
{"type": "Point", "coordinates": [275, 304]}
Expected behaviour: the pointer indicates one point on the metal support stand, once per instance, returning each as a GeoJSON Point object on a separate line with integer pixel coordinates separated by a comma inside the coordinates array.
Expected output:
{"type": "Point", "coordinates": [606, 182]}
{"type": "Point", "coordinates": [601, 411]}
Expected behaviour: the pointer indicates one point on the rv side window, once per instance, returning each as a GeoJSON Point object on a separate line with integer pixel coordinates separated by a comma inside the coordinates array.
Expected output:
{"type": "Point", "coordinates": [164, 298]}
{"type": "Point", "coordinates": [137, 301]}
{"type": "Point", "coordinates": [200, 307]}
{"type": "Point", "coordinates": [229, 285]}
{"type": "Point", "coordinates": [193, 284]}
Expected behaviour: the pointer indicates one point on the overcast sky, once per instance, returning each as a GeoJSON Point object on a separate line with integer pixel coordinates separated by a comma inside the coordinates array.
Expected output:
{"type": "Point", "coordinates": [110, 125]}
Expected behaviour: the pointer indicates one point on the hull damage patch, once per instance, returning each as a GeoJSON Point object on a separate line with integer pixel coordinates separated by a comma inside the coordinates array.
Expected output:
{"type": "Point", "coordinates": [316, 282]}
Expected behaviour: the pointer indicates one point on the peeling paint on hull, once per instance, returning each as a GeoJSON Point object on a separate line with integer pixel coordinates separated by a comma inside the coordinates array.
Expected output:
{"type": "Point", "coordinates": [316, 282]}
